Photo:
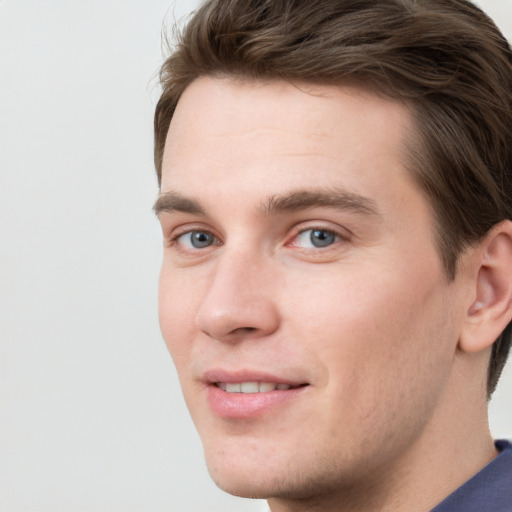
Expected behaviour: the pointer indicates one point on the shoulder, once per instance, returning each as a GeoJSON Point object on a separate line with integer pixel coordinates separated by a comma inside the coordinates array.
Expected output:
{"type": "Point", "coordinates": [490, 490]}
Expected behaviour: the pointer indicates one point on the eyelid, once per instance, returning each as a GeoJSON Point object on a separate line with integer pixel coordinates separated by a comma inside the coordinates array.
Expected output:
{"type": "Point", "coordinates": [319, 254]}
{"type": "Point", "coordinates": [342, 233]}
{"type": "Point", "coordinates": [333, 237]}
{"type": "Point", "coordinates": [187, 240]}
{"type": "Point", "coordinates": [179, 231]}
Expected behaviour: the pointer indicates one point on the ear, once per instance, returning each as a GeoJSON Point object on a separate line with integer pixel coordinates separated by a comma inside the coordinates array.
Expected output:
{"type": "Point", "coordinates": [491, 310]}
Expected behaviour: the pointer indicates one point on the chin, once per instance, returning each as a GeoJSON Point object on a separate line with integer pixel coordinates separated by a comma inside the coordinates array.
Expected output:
{"type": "Point", "coordinates": [238, 482]}
{"type": "Point", "coordinates": [250, 476]}
{"type": "Point", "coordinates": [250, 490]}
{"type": "Point", "coordinates": [245, 474]}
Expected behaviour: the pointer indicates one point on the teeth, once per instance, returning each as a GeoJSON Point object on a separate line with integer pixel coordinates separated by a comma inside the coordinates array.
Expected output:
{"type": "Point", "coordinates": [252, 387]}
{"type": "Point", "coordinates": [249, 387]}
{"type": "Point", "coordinates": [267, 386]}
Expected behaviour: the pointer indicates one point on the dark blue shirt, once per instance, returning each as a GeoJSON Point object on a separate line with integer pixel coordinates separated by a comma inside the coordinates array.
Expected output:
{"type": "Point", "coordinates": [490, 490]}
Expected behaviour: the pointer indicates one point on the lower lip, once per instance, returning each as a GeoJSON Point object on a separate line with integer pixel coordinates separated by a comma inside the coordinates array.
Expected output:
{"type": "Point", "coordinates": [248, 405]}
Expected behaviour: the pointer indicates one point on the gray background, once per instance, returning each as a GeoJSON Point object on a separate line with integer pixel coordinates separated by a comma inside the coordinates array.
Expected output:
{"type": "Point", "coordinates": [91, 415]}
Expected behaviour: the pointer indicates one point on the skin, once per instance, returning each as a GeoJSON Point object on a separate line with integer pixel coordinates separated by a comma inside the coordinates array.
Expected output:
{"type": "Point", "coordinates": [369, 321]}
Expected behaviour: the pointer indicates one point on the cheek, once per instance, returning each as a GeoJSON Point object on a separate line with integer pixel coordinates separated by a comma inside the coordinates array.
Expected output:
{"type": "Point", "coordinates": [176, 311]}
{"type": "Point", "coordinates": [379, 343]}
{"type": "Point", "coordinates": [374, 329]}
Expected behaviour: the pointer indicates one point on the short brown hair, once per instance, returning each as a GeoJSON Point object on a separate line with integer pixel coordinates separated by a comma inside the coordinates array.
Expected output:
{"type": "Point", "coordinates": [444, 58]}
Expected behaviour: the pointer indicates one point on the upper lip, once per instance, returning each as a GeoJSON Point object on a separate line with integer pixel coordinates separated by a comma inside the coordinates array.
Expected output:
{"type": "Point", "coordinates": [234, 376]}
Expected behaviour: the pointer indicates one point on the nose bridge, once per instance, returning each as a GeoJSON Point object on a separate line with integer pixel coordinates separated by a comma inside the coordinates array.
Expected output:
{"type": "Point", "coordinates": [239, 300]}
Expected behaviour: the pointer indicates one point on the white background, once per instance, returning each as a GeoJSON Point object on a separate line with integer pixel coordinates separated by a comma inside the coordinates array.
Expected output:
{"type": "Point", "coordinates": [91, 415]}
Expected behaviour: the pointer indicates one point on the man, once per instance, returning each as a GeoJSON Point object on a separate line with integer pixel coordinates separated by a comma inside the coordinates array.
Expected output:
{"type": "Point", "coordinates": [336, 288]}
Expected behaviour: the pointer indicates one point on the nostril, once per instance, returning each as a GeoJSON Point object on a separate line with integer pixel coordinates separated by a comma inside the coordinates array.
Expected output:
{"type": "Point", "coordinates": [244, 330]}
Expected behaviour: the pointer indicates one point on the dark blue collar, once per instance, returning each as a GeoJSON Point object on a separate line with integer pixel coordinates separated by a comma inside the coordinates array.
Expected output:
{"type": "Point", "coordinates": [490, 490]}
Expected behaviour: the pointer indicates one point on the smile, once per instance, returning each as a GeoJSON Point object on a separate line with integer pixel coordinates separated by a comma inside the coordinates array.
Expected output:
{"type": "Point", "coordinates": [248, 399]}
{"type": "Point", "coordinates": [253, 387]}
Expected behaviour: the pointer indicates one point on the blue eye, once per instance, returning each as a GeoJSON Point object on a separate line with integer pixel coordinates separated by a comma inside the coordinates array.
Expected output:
{"type": "Point", "coordinates": [196, 239]}
{"type": "Point", "coordinates": [317, 238]}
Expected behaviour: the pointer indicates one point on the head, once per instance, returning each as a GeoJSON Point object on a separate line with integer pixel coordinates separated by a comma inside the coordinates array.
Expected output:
{"type": "Point", "coordinates": [436, 78]}
{"type": "Point", "coordinates": [445, 59]}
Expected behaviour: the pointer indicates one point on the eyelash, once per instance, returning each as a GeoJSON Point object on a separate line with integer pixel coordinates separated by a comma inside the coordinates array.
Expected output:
{"type": "Point", "coordinates": [337, 236]}
{"type": "Point", "coordinates": [297, 232]}
{"type": "Point", "coordinates": [173, 240]}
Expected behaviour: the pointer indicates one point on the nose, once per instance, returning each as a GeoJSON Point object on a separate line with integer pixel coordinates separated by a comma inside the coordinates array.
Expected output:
{"type": "Point", "coordinates": [240, 302]}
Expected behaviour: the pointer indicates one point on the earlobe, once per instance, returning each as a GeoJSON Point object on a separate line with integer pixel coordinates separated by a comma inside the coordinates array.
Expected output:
{"type": "Point", "coordinates": [491, 310]}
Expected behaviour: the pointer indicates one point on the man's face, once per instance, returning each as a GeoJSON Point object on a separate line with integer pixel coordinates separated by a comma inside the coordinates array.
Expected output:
{"type": "Point", "coordinates": [301, 295]}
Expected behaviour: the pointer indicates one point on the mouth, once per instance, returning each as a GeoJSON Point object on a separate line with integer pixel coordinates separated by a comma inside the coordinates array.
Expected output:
{"type": "Point", "coordinates": [234, 397]}
{"type": "Point", "coordinates": [255, 387]}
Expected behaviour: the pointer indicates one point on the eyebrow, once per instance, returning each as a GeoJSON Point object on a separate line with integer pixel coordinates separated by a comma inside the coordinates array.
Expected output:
{"type": "Point", "coordinates": [292, 201]}
{"type": "Point", "coordinates": [340, 199]}
{"type": "Point", "coordinates": [174, 202]}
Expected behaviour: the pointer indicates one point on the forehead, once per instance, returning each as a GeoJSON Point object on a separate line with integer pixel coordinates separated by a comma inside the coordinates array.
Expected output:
{"type": "Point", "coordinates": [227, 133]}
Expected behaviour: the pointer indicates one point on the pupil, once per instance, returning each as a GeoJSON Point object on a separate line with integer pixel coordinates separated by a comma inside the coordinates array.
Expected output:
{"type": "Point", "coordinates": [200, 239]}
{"type": "Point", "coordinates": [321, 238]}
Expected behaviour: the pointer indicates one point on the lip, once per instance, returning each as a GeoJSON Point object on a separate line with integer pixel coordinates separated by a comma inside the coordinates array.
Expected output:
{"type": "Point", "coordinates": [218, 375]}
{"type": "Point", "coordinates": [249, 405]}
